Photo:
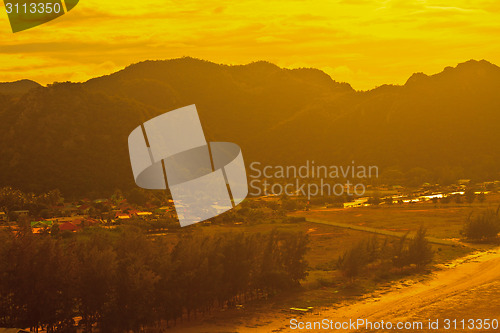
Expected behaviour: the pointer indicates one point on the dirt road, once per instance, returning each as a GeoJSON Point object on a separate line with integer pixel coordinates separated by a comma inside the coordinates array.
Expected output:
{"type": "Point", "coordinates": [468, 288]}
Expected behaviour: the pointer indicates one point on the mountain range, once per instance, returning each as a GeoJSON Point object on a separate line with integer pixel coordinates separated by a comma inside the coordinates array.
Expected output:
{"type": "Point", "coordinates": [73, 136]}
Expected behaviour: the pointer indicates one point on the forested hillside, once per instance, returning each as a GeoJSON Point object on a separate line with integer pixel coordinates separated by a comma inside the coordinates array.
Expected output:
{"type": "Point", "coordinates": [73, 136]}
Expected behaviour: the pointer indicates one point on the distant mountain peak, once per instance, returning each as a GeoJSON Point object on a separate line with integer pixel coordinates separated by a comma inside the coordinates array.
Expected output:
{"type": "Point", "coordinates": [471, 70]}
{"type": "Point", "coordinates": [415, 78]}
{"type": "Point", "coordinates": [189, 69]}
{"type": "Point", "coordinates": [19, 87]}
{"type": "Point", "coordinates": [476, 63]}
{"type": "Point", "coordinates": [262, 64]}
{"type": "Point", "coordinates": [23, 81]}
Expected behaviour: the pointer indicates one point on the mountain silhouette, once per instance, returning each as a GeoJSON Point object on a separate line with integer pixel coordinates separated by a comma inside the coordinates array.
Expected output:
{"type": "Point", "coordinates": [73, 136]}
{"type": "Point", "coordinates": [18, 87]}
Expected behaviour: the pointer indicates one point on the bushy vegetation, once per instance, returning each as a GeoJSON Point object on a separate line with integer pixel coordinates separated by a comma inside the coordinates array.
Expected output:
{"type": "Point", "coordinates": [415, 252]}
{"type": "Point", "coordinates": [482, 227]}
{"type": "Point", "coordinates": [121, 280]}
{"type": "Point", "coordinates": [13, 199]}
{"type": "Point", "coordinates": [356, 258]}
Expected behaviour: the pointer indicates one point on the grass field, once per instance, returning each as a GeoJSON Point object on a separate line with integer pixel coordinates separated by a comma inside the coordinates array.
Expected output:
{"type": "Point", "coordinates": [443, 221]}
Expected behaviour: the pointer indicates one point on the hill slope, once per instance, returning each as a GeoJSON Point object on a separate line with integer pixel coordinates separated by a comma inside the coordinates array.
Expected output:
{"type": "Point", "coordinates": [74, 136]}
{"type": "Point", "coordinates": [18, 87]}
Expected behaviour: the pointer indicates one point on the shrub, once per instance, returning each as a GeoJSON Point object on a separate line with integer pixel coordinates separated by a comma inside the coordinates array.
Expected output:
{"type": "Point", "coordinates": [351, 262]}
{"type": "Point", "coordinates": [483, 227]}
{"type": "Point", "coordinates": [417, 252]}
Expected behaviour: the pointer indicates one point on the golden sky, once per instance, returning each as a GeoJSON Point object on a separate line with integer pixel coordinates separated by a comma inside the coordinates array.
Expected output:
{"type": "Point", "coordinates": [364, 42]}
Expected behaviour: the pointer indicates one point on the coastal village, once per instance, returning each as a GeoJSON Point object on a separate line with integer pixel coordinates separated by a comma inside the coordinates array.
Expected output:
{"type": "Point", "coordinates": [74, 216]}
{"type": "Point", "coordinates": [69, 217]}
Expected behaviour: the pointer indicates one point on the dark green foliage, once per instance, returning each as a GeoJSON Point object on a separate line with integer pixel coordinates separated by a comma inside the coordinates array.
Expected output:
{"type": "Point", "coordinates": [352, 261]}
{"type": "Point", "coordinates": [413, 251]}
{"type": "Point", "coordinates": [399, 256]}
{"type": "Point", "coordinates": [356, 258]}
{"type": "Point", "coordinates": [12, 200]}
{"type": "Point", "coordinates": [122, 281]}
{"type": "Point", "coordinates": [419, 250]}
{"type": "Point", "coordinates": [483, 227]}
{"type": "Point", "coordinates": [35, 283]}
{"type": "Point", "coordinates": [401, 253]}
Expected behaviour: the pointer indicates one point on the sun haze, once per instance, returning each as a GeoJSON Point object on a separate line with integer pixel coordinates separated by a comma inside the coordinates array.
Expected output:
{"type": "Point", "coordinates": [364, 42]}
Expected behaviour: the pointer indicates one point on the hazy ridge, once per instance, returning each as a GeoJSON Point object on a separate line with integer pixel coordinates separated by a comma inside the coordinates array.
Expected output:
{"type": "Point", "coordinates": [73, 136]}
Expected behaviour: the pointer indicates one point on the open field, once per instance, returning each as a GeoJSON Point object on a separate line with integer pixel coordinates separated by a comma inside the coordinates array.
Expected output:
{"type": "Point", "coordinates": [443, 221]}
{"type": "Point", "coordinates": [378, 231]}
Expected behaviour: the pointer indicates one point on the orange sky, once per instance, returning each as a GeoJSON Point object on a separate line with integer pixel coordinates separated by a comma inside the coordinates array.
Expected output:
{"type": "Point", "coordinates": [364, 42]}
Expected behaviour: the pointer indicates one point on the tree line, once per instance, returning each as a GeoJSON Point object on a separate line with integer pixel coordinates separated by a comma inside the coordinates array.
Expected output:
{"type": "Point", "coordinates": [13, 199]}
{"type": "Point", "coordinates": [121, 280]}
